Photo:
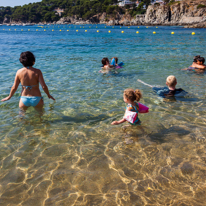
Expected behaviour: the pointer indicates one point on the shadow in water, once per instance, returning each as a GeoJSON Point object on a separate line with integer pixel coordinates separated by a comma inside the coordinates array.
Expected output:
{"type": "Point", "coordinates": [82, 118]}
{"type": "Point", "coordinates": [162, 135]}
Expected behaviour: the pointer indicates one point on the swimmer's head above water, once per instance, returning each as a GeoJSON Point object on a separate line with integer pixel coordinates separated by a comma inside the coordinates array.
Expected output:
{"type": "Point", "coordinates": [171, 81]}
{"type": "Point", "coordinates": [27, 59]}
{"type": "Point", "coordinates": [195, 58]}
{"type": "Point", "coordinates": [105, 61]}
{"type": "Point", "coordinates": [132, 95]}
{"type": "Point", "coordinates": [200, 60]}
{"type": "Point", "coordinates": [115, 59]}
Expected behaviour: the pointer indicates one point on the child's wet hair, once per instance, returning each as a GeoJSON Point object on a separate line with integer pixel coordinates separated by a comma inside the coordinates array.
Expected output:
{"type": "Point", "coordinates": [105, 60]}
{"type": "Point", "coordinates": [201, 59]}
{"type": "Point", "coordinates": [195, 58]}
{"type": "Point", "coordinates": [133, 95]}
{"type": "Point", "coordinates": [171, 81]}
{"type": "Point", "coordinates": [116, 59]}
{"type": "Point", "coordinates": [27, 58]}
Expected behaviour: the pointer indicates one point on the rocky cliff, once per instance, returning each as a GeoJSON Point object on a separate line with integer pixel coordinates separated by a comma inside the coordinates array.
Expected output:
{"type": "Point", "coordinates": [188, 13]}
{"type": "Point", "coordinates": [179, 13]}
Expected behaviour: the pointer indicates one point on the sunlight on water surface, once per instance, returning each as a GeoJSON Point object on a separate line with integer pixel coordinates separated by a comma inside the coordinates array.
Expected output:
{"type": "Point", "coordinates": [72, 155]}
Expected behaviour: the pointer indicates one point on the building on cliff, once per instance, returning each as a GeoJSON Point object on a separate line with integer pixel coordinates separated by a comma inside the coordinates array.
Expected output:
{"type": "Point", "coordinates": [161, 2]}
{"type": "Point", "coordinates": [125, 2]}
{"type": "Point", "coordinates": [59, 11]}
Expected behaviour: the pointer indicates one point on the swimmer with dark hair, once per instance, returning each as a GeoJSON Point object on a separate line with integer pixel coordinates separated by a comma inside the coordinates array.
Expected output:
{"type": "Point", "coordinates": [30, 78]}
{"type": "Point", "coordinates": [197, 65]}
{"type": "Point", "coordinates": [114, 61]}
{"type": "Point", "coordinates": [200, 62]}
{"type": "Point", "coordinates": [105, 63]}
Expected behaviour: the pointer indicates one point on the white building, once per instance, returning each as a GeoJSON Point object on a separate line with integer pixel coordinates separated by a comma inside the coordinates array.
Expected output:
{"type": "Point", "coordinates": [59, 11]}
{"type": "Point", "coordinates": [161, 2]}
{"type": "Point", "coordinates": [125, 2]}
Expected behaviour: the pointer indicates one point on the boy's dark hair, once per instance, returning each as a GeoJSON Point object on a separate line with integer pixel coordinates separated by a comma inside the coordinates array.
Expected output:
{"type": "Point", "coordinates": [195, 58]}
{"type": "Point", "coordinates": [105, 60]}
{"type": "Point", "coordinates": [116, 59]}
{"type": "Point", "coordinates": [27, 58]}
{"type": "Point", "coordinates": [201, 59]}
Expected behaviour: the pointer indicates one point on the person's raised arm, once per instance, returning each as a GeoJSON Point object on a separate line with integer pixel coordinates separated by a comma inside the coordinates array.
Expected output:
{"type": "Point", "coordinates": [13, 88]}
{"type": "Point", "coordinates": [44, 86]}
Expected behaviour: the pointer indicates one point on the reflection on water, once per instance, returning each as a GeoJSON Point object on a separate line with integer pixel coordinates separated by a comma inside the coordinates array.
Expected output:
{"type": "Point", "coordinates": [71, 155]}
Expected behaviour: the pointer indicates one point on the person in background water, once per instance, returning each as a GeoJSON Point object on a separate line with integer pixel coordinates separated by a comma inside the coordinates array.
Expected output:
{"type": "Point", "coordinates": [170, 90]}
{"type": "Point", "coordinates": [105, 64]}
{"type": "Point", "coordinates": [131, 97]}
{"type": "Point", "coordinates": [114, 61]}
{"type": "Point", "coordinates": [197, 65]}
{"type": "Point", "coordinates": [29, 77]}
{"type": "Point", "coordinates": [200, 62]}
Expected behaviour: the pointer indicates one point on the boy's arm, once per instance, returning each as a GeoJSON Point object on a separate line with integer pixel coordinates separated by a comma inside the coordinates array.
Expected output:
{"type": "Point", "coordinates": [144, 83]}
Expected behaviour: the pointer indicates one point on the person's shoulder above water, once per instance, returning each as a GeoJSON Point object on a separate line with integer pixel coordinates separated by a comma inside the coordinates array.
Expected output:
{"type": "Point", "coordinates": [166, 92]}
{"type": "Point", "coordinates": [176, 92]}
{"type": "Point", "coordinates": [198, 64]}
{"type": "Point", "coordinates": [160, 90]}
{"type": "Point", "coordinates": [105, 63]}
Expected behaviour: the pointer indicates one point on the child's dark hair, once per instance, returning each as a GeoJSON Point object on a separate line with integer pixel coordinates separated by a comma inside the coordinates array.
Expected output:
{"type": "Point", "coordinates": [27, 58]}
{"type": "Point", "coordinates": [105, 60]}
{"type": "Point", "coordinates": [195, 58]}
{"type": "Point", "coordinates": [133, 95]}
{"type": "Point", "coordinates": [201, 59]}
{"type": "Point", "coordinates": [116, 59]}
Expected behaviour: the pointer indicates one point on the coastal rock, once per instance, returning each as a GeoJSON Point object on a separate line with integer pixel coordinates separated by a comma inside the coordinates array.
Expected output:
{"type": "Point", "coordinates": [6, 20]}
{"type": "Point", "coordinates": [198, 25]}
{"type": "Point", "coordinates": [139, 20]}
{"type": "Point", "coordinates": [157, 14]}
{"type": "Point", "coordinates": [95, 19]}
{"type": "Point", "coordinates": [125, 20]}
{"type": "Point", "coordinates": [102, 18]}
{"type": "Point", "coordinates": [187, 13]}
{"type": "Point", "coordinates": [179, 13]}
{"type": "Point", "coordinates": [64, 20]}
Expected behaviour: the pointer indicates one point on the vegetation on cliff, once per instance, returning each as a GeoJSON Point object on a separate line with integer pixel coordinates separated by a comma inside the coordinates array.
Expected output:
{"type": "Point", "coordinates": [44, 11]}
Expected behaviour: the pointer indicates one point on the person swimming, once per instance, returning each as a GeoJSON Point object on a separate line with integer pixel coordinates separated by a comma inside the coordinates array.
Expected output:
{"type": "Point", "coordinates": [105, 63]}
{"type": "Point", "coordinates": [170, 90]}
{"type": "Point", "coordinates": [114, 64]}
{"type": "Point", "coordinates": [29, 77]}
{"type": "Point", "coordinates": [114, 61]}
{"type": "Point", "coordinates": [197, 65]}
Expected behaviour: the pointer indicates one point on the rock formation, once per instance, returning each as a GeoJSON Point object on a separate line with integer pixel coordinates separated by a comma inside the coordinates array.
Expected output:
{"type": "Point", "coordinates": [180, 13]}
{"type": "Point", "coordinates": [188, 13]}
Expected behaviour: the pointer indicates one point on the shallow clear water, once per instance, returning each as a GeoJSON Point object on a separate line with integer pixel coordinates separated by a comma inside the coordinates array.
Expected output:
{"type": "Point", "coordinates": [72, 155]}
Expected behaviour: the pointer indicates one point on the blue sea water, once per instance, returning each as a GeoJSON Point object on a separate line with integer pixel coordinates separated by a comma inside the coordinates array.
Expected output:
{"type": "Point", "coordinates": [72, 155]}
